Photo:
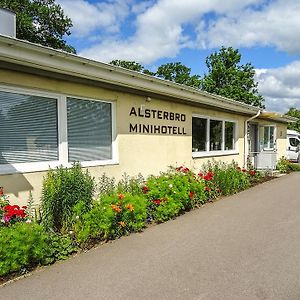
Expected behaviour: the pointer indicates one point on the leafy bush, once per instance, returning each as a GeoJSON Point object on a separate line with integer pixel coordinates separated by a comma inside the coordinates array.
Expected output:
{"type": "Point", "coordinates": [22, 245]}
{"type": "Point", "coordinates": [173, 192]}
{"type": "Point", "coordinates": [284, 166]}
{"type": "Point", "coordinates": [60, 247]}
{"type": "Point", "coordinates": [110, 217]}
{"type": "Point", "coordinates": [229, 178]}
{"type": "Point", "coordinates": [62, 189]}
{"type": "Point", "coordinates": [294, 167]}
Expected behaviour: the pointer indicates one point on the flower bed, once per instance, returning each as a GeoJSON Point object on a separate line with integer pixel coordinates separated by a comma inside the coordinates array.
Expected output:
{"type": "Point", "coordinates": [77, 221]}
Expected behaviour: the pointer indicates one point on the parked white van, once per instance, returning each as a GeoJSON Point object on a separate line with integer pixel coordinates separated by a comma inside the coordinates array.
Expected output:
{"type": "Point", "coordinates": [293, 145]}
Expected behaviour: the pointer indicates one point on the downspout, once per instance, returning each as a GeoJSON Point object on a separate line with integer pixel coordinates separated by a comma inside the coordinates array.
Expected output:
{"type": "Point", "coordinates": [245, 137]}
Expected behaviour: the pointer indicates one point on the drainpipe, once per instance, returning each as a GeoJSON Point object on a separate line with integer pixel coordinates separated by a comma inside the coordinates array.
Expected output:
{"type": "Point", "coordinates": [246, 139]}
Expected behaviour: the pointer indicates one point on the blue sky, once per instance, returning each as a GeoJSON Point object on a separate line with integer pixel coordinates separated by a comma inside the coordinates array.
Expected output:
{"type": "Point", "coordinates": [154, 32]}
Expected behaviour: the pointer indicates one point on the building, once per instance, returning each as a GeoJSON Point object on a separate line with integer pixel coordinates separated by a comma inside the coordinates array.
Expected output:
{"type": "Point", "coordinates": [56, 108]}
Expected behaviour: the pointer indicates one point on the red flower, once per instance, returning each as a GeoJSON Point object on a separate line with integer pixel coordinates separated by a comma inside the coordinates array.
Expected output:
{"type": "Point", "coordinates": [1, 191]}
{"type": "Point", "coordinates": [182, 169]}
{"type": "Point", "coordinates": [252, 172]}
{"type": "Point", "coordinates": [191, 194]}
{"type": "Point", "coordinates": [12, 211]}
{"type": "Point", "coordinates": [244, 170]}
{"type": "Point", "coordinates": [209, 176]}
{"type": "Point", "coordinates": [207, 188]}
{"type": "Point", "coordinates": [156, 201]}
{"type": "Point", "coordinates": [145, 189]}
{"type": "Point", "coordinates": [200, 174]}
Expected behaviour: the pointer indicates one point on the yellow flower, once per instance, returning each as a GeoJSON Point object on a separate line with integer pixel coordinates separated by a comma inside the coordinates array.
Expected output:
{"type": "Point", "coordinates": [122, 224]}
{"type": "Point", "coordinates": [130, 207]}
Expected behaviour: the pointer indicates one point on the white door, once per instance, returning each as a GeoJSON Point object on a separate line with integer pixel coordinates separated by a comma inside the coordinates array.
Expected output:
{"type": "Point", "coordinates": [292, 148]}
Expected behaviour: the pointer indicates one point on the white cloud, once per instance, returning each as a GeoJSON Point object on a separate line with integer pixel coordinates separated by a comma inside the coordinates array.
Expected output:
{"type": "Point", "coordinates": [88, 17]}
{"type": "Point", "coordinates": [280, 87]}
{"type": "Point", "coordinates": [276, 24]}
{"type": "Point", "coordinates": [159, 30]}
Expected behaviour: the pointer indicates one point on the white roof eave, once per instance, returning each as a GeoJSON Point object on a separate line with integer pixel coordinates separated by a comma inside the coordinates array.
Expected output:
{"type": "Point", "coordinates": [28, 54]}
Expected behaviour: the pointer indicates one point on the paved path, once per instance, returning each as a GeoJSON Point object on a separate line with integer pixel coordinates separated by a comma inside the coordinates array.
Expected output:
{"type": "Point", "coordinates": [243, 247]}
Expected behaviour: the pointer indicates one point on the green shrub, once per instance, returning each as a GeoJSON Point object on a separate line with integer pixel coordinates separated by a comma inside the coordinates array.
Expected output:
{"type": "Point", "coordinates": [22, 245]}
{"type": "Point", "coordinates": [173, 192]}
{"type": "Point", "coordinates": [110, 217]}
{"type": "Point", "coordinates": [282, 165]}
{"type": "Point", "coordinates": [61, 247]}
{"type": "Point", "coordinates": [62, 189]}
{"type": "Point", "coordinates": [228, 178]}
{"type": "Point", "coordinates": [294, 167]}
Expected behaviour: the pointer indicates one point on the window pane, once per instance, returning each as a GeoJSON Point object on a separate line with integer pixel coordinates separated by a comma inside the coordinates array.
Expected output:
{"type": "Point", "coordinates": [28, 128]}
{"type": "Point", "coordinates": [229, 135]}
{"type": "Point", "coordinates": [199, 134]}
{"type": "Point", "coordinates": [266, 136]}
{"type": "Point", "coordinates": [271, 137]}
{"type": "Point", "coordinates": [215, 135]}
{"type": "Point", "coordinates": [89, 130]}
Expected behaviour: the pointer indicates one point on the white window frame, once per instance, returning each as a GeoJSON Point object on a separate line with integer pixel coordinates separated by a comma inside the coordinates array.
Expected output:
{"type": "Point", "coordinates": [222, 152]}
{"type": "Point", "coordinates": [62, 135]}
{"type": "Point", "coordinates": [268, 148]}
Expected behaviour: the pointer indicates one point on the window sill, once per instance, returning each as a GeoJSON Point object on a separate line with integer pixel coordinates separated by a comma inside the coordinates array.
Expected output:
{"type": "Point", "coordinates": [214, 153]}
{"type": "Point", "coordinates": [45, 166]}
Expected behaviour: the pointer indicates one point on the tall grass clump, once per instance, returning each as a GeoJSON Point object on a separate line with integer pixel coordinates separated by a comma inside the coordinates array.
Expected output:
{"type": "Point", "coordinates": [62, 189]}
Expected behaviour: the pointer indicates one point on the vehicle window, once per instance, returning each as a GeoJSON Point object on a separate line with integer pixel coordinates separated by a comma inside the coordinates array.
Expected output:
{"type": "Point", "coordinates": [294, 142]}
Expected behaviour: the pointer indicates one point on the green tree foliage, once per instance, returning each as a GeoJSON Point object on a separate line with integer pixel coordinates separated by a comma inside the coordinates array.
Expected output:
{"type": "Point", "coordinates": [131, 65]}
{"type": "Point", "coordinates": [226, 77]}
{"type": "Point", "coordinates": [41, 22]}
{"type": "Point", "coordinates": [179, 73]}
{"type": "Point", "coordinates": [294, 112]}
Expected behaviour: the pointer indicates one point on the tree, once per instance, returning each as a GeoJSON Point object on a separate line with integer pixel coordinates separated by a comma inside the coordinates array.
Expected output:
{"type": "Point", "coordinates": [41, 22]}
{"type": "Point", "coordinates": [226, 77]}
{"type": "Point", "coordinates": [179, 73]}
{"type": "Point", "coordinates": [294, 112]}
{"type": "Point", "coordinates": [131, 65]}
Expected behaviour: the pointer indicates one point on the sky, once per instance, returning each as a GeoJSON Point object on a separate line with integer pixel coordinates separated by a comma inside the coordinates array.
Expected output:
{"type": "Point", "coordinates": [154, 32]}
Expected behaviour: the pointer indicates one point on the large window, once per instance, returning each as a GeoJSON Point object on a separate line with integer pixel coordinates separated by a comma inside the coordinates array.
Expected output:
{"type": "Point", "coordinates": [38, 130]}
{"type": "Point", "coordinates": [28, 128]}
{"type": "Point", "coordinates": [212, 136]}
{"type": "Point", "coordinates": [89, 130]}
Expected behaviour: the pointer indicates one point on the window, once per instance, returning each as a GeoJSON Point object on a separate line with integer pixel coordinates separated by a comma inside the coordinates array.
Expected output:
{"type": "Point", "coordinates": [229, 135]}
{"type": "Point", "coordinates": [89, 130]}
{"type": "Point", "coordinates": [199, 130]}
{"type": "Point", "coordinates": [28, 128]}
{"type": "Point", "coordinates": [212, 136]}
{"type": "Point", "coordinates": [269, 139]}
{"type": "Point", "coordinates": [38, 130]}
{"type": "Point", "coordinates": [294, 142]}
{"type": "Point", "coordinates": [215, 134]}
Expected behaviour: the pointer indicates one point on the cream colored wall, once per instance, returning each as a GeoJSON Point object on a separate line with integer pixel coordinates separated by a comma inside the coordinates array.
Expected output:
{"type": "Point", "coordinates": [137, 153]}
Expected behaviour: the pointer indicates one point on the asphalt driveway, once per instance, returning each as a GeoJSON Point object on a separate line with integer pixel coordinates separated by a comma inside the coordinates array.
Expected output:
{"type": "Point", "coordinates": [246, 246]}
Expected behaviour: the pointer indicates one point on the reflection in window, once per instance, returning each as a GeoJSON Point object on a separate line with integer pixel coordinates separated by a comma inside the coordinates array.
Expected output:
{"type": "Point", "coordinates": [229, 135]}
{"type": "Point", "coordinates": [215, 133]}
{"type": "Point", "coordinates": [199, 134]}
